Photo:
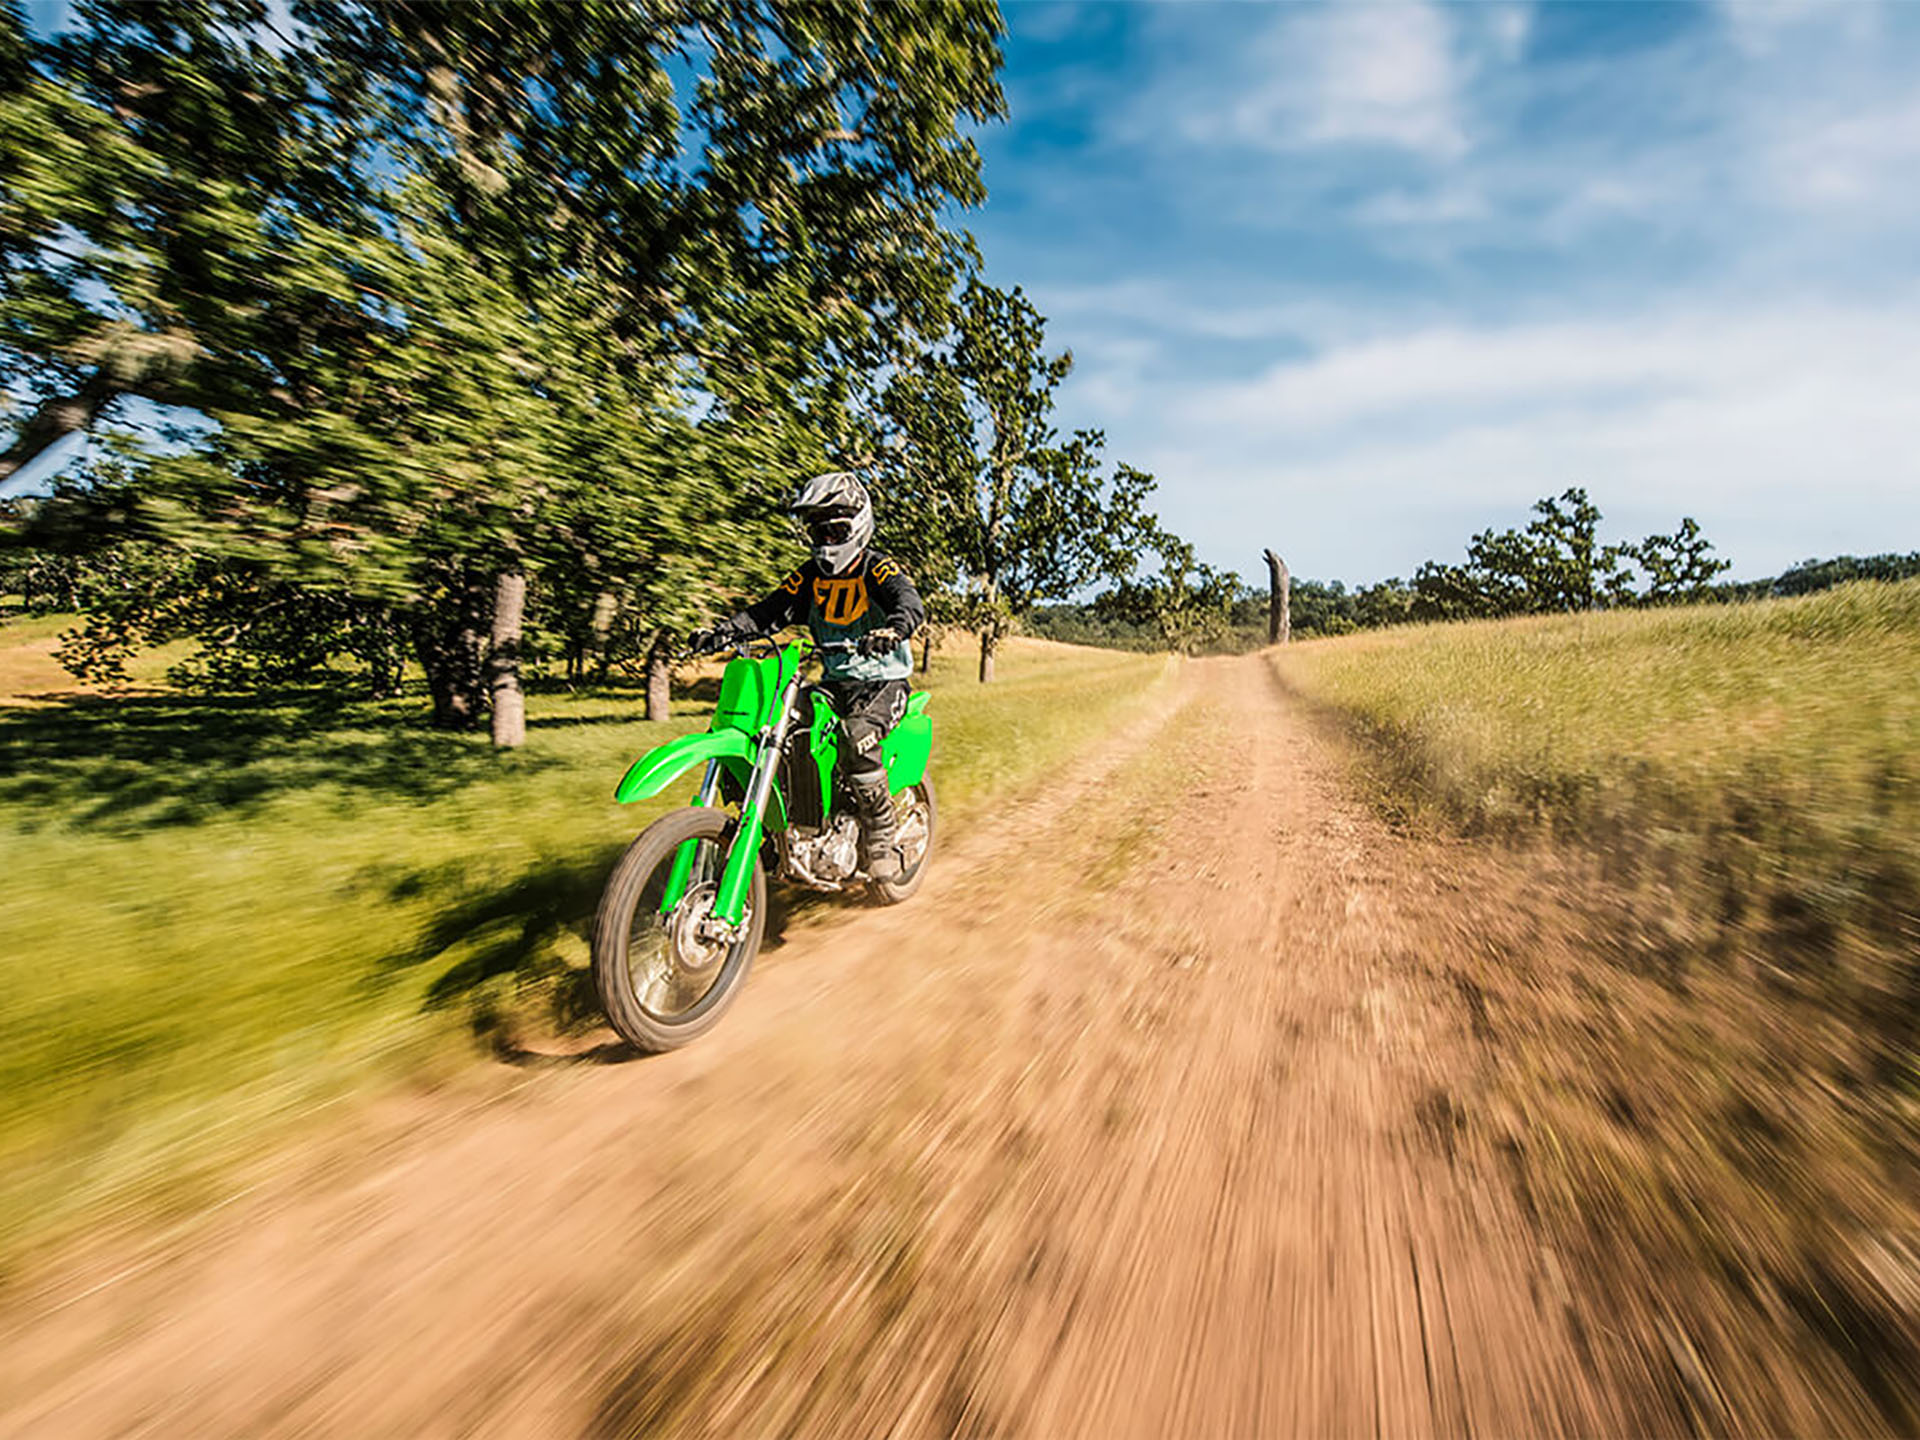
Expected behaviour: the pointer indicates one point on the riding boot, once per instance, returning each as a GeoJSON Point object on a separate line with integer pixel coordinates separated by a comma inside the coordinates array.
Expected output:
{"type": "Point", "coordinates": [879, 845]}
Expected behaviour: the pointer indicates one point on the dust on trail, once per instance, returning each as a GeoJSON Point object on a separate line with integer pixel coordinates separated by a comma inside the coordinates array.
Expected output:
{"type": "Point", "coordinates": [1139, 1120]}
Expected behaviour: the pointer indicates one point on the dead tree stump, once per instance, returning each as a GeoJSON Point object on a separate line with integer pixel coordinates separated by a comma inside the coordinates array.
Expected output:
{"type": "Point", "coordinates": [1279, 601]}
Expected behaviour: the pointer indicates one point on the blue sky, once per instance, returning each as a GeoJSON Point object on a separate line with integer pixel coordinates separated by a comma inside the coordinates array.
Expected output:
{"type": "Point", "coordinates": [1356, 280]}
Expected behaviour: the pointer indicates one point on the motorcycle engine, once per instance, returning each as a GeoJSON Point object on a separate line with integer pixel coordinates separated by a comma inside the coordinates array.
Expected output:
{"type": "Point", "coordinates": [826, 856]}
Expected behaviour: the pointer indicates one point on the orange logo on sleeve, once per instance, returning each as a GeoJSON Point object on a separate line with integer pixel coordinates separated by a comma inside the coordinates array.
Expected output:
{"type": "Point", "coordinates": [841, 602]}
{"type": "Point", "coordinates": [792, 583]}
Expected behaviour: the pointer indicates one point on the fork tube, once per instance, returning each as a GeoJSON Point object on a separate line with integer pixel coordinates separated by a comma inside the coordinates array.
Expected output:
{"type": "Point", "coordinates": [734, 882]}
{"type": "Point", "coordinates": [682, 873]}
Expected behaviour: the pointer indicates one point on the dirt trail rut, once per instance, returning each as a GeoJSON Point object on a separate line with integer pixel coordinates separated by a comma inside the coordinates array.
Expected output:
{"type": "Point", "coordinates": [1136, 1121]}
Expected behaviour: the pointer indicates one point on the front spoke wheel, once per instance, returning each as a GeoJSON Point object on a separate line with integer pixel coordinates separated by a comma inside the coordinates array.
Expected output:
{"type": "Point", "coordinates": [664, 963]}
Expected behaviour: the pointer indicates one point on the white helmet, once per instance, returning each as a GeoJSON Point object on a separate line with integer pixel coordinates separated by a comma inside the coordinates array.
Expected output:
{"type": "Point", "coordinates": [838, 515]}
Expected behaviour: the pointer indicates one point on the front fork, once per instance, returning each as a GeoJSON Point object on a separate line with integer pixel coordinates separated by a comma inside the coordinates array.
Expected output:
{"type": "Point", "coordinates": [737, 878]}
{"type": "Point", "coordinates": [682, 873]}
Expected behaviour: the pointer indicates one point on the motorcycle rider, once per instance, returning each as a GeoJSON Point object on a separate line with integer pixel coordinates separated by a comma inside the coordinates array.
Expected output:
{"type": "Point", "coordinates": [847, 592]}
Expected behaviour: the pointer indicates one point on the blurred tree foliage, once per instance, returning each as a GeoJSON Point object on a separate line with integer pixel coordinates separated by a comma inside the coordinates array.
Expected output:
{"type": "Point", "coordinates": [481, 294]}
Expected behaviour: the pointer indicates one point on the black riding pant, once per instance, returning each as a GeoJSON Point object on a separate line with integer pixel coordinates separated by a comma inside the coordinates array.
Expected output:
{"type": "Point", "coordinates": [867, 711]}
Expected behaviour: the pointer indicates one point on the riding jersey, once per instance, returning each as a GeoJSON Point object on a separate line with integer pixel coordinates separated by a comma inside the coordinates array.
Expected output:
{"type": "Point", "coordinates": [876, 594]}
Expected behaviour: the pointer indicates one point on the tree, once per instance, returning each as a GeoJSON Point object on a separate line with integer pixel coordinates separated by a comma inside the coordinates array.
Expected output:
{"type": "Point", "coordinates": [499, 323]}
{"type": "Point", "coordinates": [1318, 607]}
{"type": "Point", "coordinates": [1187, 603]}
{"type": "Point", "coordinates": [1567, 568]}
{"type": "Point", "coordinates": [1678, 567]}
{"type": "Point", "coordinates": [1027, 516]}
{"type": "Point", "coordinates": [1556, 563]}
{"type": "Point", "coordinates": [1389, 602]}
{"type": "Point", "coordinates": [150, 158]}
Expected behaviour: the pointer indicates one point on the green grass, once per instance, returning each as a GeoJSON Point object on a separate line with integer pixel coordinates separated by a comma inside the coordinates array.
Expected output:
{"type": "Point", "coordinates": [220, 915]}
{"type": "Point", "coordinates": [1538, 721]}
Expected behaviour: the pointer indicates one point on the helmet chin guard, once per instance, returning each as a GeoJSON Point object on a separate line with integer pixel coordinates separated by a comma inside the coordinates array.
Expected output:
{"type": "Point", "coordinates": [838, 515]}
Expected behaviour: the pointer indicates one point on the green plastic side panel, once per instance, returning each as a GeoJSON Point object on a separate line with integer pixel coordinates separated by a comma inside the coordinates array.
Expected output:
{"type": "Point", "coordinates": [906, 747]}
{"type": "Point", "coordinates": [652, 772]}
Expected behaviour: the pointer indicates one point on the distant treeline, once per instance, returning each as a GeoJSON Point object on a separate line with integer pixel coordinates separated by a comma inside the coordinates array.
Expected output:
{"type": "Point", "coordinates": [1811, 575]}
{"type": "Point", "coordinates": [1553, 565]}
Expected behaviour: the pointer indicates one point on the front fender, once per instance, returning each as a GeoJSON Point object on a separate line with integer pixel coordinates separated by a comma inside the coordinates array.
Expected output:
{"type": "Point", "coordinates": [655, 770]}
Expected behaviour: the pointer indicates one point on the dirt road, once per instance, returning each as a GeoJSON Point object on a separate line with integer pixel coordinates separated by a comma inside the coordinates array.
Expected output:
{"type": "Point", "coordinates": [1139, 1120]}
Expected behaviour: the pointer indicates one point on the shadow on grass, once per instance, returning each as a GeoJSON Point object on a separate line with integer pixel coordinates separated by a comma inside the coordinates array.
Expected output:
{"type": "Point", "coordinates": [510, 939]}
{"type": "Point", "coordinates": [570, 722]}
{"type": "Point", "coordinates": [132, 763]}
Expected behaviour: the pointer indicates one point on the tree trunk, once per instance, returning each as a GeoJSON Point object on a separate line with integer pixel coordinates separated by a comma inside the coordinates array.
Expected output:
{"type": "Point", "coordinates": [659, 678]}
{"type": "Point", "coordinates": [54, 420]}
{"type": "Point", "coordinates": [454, 703]}
{"type": "Point", "coordinates": [503, 659]}
{"type": "Point", "coordinates": [1279, 601]}
{"type": "Point", "coordinates": [605, 606]}
{"type": "Point", "coordinates": [926, 648]}
{"type": "Point", "coordinates": [447, 643]}
{"type": "Point", "coordinates": [989, 642]}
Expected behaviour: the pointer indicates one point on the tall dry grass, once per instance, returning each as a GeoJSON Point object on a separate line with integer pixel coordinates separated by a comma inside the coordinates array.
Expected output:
{"type": "Point", "coordinates": [1761, 760]}
{"type": "Point", "coordinates": [1701, 1017]}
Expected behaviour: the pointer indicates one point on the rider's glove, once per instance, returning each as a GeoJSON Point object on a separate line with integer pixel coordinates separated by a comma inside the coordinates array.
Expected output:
{"type": "Point", "coordinates": [880, 642]}
{"type": "Point", "coordinates": [705, 642]}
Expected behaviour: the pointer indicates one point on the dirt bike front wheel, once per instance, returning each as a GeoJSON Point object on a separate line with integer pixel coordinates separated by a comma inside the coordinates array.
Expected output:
{"type": "Point", "coordinates": [666, 972]}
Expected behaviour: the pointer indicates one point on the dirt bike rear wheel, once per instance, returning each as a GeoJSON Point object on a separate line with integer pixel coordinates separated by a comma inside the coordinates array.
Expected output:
{"type": "Point", "coordinates": [917, 820]}
{"type": "Point", "coordinates": [665, 977]}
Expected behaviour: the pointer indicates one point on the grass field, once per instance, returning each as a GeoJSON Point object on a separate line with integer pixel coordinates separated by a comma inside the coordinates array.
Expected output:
{"type": "Point", "coordinates": [219, 915]}
{"type": "Point", "coordinates": [1770, 752]}
{"type": "Point", "coordinates": [1718, 1083]}
{"type": "Point", "coordinates": [1749, 774]}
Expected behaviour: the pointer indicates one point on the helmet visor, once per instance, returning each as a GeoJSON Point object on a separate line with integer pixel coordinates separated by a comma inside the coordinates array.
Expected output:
{"type": "Point", "coordinates": [825, 530]}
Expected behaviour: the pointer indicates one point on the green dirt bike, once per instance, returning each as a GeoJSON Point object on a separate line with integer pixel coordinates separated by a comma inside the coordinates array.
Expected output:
{"type": "Point", "coordinates": [685, 908]}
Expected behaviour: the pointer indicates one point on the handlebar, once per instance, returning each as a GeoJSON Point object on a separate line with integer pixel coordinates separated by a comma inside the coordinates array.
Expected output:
{"type": "Point", "coordinates": [743, 645]}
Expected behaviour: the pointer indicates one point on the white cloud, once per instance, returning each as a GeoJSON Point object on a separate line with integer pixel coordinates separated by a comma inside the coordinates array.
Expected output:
{"type": "Point", "coordinates": [1171, 308]}
{"type": "Point", "coordinates": [1575, 362]}
{"type": "Point", "coordinates": [1442, 205]}
{"type": "Point", "coordinates": [1859, 157]}
{"type": "Point", "coordinates": [1787, 432]}
{"type": "Point", "coordinates": [1508, 26]}
{"type": "Point", "coordinates": [1377, 74]}
{"type": "Point", "coordinates": [1760, 27]}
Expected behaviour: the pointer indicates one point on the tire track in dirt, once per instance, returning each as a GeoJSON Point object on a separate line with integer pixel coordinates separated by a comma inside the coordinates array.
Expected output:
{"type": "Point", "coordinates": [1138, 1121]}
